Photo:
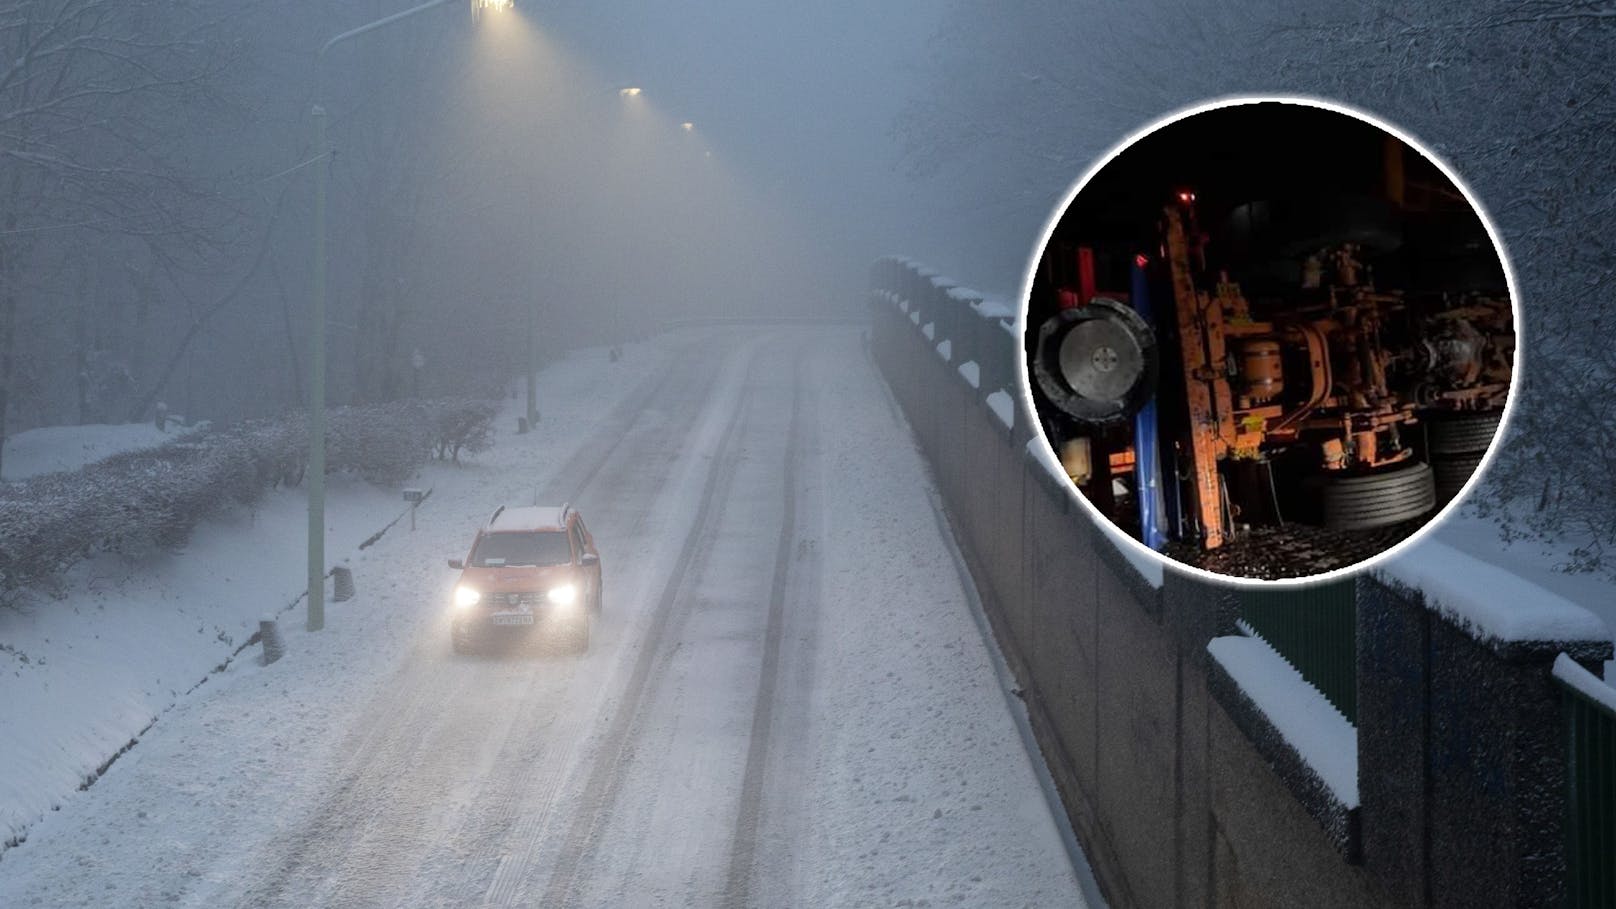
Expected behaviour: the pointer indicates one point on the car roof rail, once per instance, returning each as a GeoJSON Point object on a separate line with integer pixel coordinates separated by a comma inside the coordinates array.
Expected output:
{"type": "Point", "coordinates": [495, 516]}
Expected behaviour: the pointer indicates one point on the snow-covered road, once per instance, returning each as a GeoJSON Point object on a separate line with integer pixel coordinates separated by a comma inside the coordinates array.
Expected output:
{"type": "Point", "coordinates": [786, 702]}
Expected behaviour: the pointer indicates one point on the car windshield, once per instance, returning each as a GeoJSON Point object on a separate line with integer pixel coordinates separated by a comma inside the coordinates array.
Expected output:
{"type": "Point", "coordinates": [547, 547]}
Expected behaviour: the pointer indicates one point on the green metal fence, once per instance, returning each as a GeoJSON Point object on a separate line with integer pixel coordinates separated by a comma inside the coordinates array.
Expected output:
{"type": "Point", "coordinates": [1590, 789]}
{"type": "Point", "coordinates": [1315, 629]}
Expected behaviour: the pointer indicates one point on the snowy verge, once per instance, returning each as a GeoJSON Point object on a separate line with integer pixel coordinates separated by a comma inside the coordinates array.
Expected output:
{"type": "Point", "coordinates": [1309, 723]}
{"type": "Point", "coordinates": [1490, 602]}
{"type": "Point", "coordinates": [91, 661]}
{"type": "Point", "coordinates": [90, 666]}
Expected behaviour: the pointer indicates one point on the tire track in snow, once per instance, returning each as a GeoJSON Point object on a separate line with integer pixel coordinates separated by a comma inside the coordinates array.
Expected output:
{"type": "Point", "coordinates": [545, 710]}
{"type": "Point", "coordinates": [526, 776]}
{"type": "Point", "coordinates": [482, 730]}
{"type": "Point", "coordinates": [369, 789]}
{"type": "Point", "coordinates": [606, 776]}
{"type": "Point", "coordinates": [743, 846]}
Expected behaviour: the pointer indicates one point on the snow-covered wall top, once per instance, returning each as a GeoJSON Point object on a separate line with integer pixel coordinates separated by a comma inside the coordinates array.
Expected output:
{"type": "Point", "coordinates": [993, 308]}
{"type": "Point", "coordinates": [1321, 736]}
{"type": "Point", "coordinates": [1488, 601]}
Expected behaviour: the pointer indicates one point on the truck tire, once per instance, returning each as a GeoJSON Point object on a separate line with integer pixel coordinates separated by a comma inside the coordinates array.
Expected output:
{"type": "Point", "coordinates": [1379, 499]}
{"type": "Point", "coordinates": [1452, 472]}
{"type": "Point", "coordinates": [1469, 433]}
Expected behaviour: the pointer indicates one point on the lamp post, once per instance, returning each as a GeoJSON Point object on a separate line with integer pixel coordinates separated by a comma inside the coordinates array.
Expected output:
{"type": "Point", "coordinates": [532, 354]}
{"type": "Point", "coordinates": [317, 294]}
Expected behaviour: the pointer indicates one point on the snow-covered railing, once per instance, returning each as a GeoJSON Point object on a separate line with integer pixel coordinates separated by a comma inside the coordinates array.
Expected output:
{"type": "Point", "coordinates": [1590, 711]}
{"type": "Point", "coordinates": [1417, 723]}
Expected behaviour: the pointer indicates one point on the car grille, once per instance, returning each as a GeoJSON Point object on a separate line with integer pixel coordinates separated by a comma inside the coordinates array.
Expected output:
{"type": "Point", "coordinates": [514, 600]}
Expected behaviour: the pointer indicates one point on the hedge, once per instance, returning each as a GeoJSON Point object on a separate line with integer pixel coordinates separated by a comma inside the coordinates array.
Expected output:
{"type": "Point", "coordinates": [135, 501]}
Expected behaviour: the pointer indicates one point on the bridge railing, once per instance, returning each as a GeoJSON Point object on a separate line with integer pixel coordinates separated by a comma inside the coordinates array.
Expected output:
{"type": "Point", "coordinates": [1590, 724]}
{"type": "Point", "coordinates": [1399, 740]}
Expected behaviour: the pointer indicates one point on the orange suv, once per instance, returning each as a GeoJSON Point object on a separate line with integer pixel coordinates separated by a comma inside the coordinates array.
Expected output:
{"type": "Point", "coordinates": [532, 570]}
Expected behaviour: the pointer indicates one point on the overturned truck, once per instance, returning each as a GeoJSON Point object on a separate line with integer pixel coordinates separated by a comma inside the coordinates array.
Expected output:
{"type": "Point", "coordinates": [1314, 378]}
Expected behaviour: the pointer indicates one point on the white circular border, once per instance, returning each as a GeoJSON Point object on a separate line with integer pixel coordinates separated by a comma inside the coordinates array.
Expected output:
{"type": "Point", "coordinates": [1047, 452]}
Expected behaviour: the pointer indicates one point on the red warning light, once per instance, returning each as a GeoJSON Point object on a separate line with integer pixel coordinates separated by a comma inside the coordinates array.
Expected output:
{"type": "Point", "coordinates": [1186, 196]}
{"type": "Point", "coordinates": [1140, 261]}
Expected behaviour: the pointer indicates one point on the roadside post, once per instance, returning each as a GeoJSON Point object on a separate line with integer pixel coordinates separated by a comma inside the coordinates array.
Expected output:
{"type": "Point", "coordinates": [414, 497]}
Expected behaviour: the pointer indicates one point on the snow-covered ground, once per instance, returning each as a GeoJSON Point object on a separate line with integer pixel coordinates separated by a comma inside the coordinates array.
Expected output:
{"type": "Point", "coordinates": [54, 448]}
{"type": "Point", "coordinates": [91, 663]}
{"type": "Point", "coordinates": [787, 701]}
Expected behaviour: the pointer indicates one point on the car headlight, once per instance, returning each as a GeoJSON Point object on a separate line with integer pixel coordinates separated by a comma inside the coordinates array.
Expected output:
{"type": "Point", "coordinates": [563, 595]}
{"type": "Point", "coordinates": [466, 597]}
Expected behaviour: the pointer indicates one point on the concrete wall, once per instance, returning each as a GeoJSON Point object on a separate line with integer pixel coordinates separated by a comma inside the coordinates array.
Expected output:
{"type": "Point", "coordinates": [1179, 795]}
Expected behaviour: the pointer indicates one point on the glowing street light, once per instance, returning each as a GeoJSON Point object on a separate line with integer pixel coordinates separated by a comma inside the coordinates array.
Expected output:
{"type": "Point", "coordinates": [629, 92]}
{"type": "Point", "coordinates": [687, 126]}
{"type": "Point", "coordinates": [322, 154]}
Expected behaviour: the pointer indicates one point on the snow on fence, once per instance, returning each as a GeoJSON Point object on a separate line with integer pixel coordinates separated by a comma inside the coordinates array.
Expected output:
{"type": "Point", "coordinates": [133, 501]}
{"type": "Point", "coordinates": [1448, 772]}
{"type": "Point", "coordinates": [1590, 718]}
{"type": "Point", "coordinates": [1314, 629]}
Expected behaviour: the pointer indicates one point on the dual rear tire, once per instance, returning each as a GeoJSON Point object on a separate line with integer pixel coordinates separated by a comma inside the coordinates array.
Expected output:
{"type": "Point", "coordinates": [1457, 445]}
{"type": "Point", "coordinates": [1379, 499]}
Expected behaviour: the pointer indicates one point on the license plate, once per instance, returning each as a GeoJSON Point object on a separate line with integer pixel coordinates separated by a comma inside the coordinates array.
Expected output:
{"type": "Point", "coordinates": [512, 619]}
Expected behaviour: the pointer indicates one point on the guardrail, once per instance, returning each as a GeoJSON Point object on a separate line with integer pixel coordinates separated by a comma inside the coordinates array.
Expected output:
{"type": "Point", "coordinates": [1187, 754]}
{"type": "Point", "coordinates": [1590, 720]}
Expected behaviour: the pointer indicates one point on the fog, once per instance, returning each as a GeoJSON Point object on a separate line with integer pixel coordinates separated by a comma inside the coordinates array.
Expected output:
{"type": "Point", "coordinates": [487, 168]}
{"type": "Point", "coordinates": [156, 178]}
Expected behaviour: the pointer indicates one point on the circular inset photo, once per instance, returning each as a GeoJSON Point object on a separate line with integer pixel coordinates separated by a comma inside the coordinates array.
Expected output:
{"type": "Point", "coordinates": [1269, 340]}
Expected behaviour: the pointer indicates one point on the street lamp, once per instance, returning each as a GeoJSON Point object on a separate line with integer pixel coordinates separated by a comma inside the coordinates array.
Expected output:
{"type": "Point", "coordinates": [316, 467]}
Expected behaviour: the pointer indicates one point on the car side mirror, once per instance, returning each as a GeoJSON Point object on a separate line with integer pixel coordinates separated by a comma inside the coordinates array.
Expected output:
{"type": "Point", "coordinates": [589, 558]}
{"type": "Point", "coordinates": [456, 563]}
